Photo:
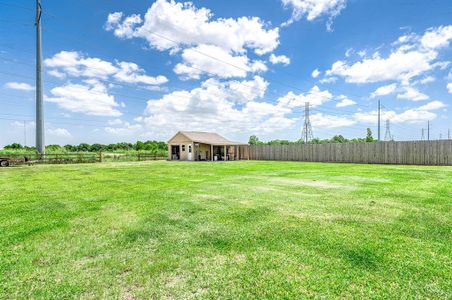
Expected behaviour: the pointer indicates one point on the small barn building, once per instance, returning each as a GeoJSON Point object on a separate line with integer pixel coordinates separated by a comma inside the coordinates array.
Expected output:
{"type": "Point", "coordinates": [202, 146]}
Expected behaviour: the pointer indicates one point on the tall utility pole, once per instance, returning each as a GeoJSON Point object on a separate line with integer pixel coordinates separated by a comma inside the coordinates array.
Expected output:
{"type": "Point", "coordinates": [379, 115]}
{"type": "Point", "coordinates": [40, 146]}
{"type": "Point", "coordinates": [307, 134]}
{"type": "Point", "coordinates": [428, 130]}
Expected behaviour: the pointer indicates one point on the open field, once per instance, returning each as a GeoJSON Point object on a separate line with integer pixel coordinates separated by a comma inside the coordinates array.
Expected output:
{"type": "Point", "coordinates": [225, 230]}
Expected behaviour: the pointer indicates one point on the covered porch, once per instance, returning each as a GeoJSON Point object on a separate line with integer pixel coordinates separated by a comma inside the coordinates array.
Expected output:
{"type": "Point", "coordinates": [214, 152]}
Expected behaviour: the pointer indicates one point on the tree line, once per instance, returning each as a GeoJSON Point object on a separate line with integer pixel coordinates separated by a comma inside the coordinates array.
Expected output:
{"type": "Point", "coordinates": [148, 146]}
{"type": "Point", "coordinates": [338, 139]}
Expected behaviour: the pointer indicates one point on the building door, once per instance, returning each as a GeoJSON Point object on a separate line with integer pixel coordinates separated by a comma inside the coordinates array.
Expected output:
{"type": "Point", "coordinates": [190, 153]}
{"type": "Point", "coordinates": [175, 152]}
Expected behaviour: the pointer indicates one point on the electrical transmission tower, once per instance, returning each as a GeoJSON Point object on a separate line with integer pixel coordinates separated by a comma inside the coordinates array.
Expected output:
{"type": "Point", "coordinates": [423, 135]}
{"type": "Point", "coordinates": [307, 134]}
{"type": "Point", "coordinates": [388, 136]}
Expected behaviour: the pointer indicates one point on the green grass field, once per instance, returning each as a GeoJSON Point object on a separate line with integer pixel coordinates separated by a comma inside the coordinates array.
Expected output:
{"type": "Point", "coordinates": [225, 230]}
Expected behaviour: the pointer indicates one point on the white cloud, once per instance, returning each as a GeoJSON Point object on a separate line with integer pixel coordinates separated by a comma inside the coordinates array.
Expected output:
{"type": "Point", "coordinates": [412, 94]}
{"type": "Point", "coordinates": [247, 90]}
{"type": "Point", "coordinates": [20, 86]}
{"type": "Point", "coordinates": [328, 80]}
{"type": "Point", "coordinates": [125, 129]}
{"type": "Point", "coordinates": [75, 64]}
{"type": "Point", "coordinates": [345, 101]}
{"type": "Point", "coordinates": [59, 132]}
{"type": "Point", "coordinates": [427, 79]}
{"type": "Point", "coordinates": [115, 122]}
{"type": "Point", "coordinates": [280, 59]}
{"type": "Point", "coordinates": [320, 120]}
{"type": "Point", "coordinates": [315, 73]}
{"type": "Point", "coordinates": [384, 90]}
{"type": "Point", "coordinates": [169, 25]}
{"type": "Point", "coordinates": [408, 116]}
{"type": "Point", "coordinates": [195, 64]}
{"type": "Point", "coordinates": [132, 73]}
{"type": "Point", "coordinates": [434, 105]}
{"type": "Point", "coordinates": [314, 9]}
{"type": "Point", "coordinates": [435, 38]}
{"type": "Point", "coordinates": [91, 99]}
{"type": "Point", "coordinates": [449, 87]}
{"type": "Point", "coordinates": [412, 56]}
{"type": "Point", "coordinates": [315, 97]}
{"type": "Point", "coordinates": [122, 28]}
{"type": "Point", "coordinates": [227, 107]}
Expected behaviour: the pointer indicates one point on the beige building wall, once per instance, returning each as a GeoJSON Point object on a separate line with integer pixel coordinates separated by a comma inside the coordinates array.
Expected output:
{"type": "Point", "coordinates": [184, 143]}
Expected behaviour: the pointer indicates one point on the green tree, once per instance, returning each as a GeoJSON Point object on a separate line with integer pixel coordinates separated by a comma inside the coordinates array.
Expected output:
{"type": "Point", "coordinates": [369, 137]}
{"type": "Point", "coordinates": [254, 140]}
{"type": "Point", "coordinates": [13, 146]}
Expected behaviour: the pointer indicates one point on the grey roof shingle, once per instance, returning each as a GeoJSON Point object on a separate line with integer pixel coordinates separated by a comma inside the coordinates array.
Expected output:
{"type": "Point", "coordinates": [210, 138]}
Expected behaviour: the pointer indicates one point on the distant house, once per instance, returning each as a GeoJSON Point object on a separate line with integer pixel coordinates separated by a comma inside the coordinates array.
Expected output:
{"type": "Point", "coordinates": [199, 146]}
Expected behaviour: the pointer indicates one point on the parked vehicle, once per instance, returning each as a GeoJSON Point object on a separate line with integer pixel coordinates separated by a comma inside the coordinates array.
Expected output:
{"type": "Point", "coordinates": [4, 162]}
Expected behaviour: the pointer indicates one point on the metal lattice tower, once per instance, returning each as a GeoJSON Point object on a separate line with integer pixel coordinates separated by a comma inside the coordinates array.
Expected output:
{"type": "Point", "coordinates": [388, 136]}
{"type": "Point", "coordinates": [307, 134]}
{"type": "Point", "coordinates": [423, 135]}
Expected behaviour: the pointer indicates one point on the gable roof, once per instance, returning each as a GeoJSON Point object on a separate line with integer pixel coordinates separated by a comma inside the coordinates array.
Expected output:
{"type": "Point", "coordinates": [210, 138]}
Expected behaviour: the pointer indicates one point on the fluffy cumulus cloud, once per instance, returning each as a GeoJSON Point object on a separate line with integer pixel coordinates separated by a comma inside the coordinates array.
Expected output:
{"type": "Point", "coordinates": [315, 73]}
{"type": "Point", "coordinates": [279, 59]}
{"type": "Point", "coordinates": [313, 9]}
{"type": "Point", "coordinates": [434, 105]}
{"type": "Point", "coordinates": [413, 115]}
{"type": "Point", "coordinates": [216, 47]}
{"type": "Point", "coordinates": [410, 93]}
{"type": "Point", "coordinates": [90, 98]}
{"type": "Point", "coordinates": [384, 90]}
{"type": "Point", "coordinates": [226, 106]}
{"type": "Point", "coordinates": [344, 101]}
{"type": "Point", "coordinates": [169, 25]}
{"type": "Point", "coordinates": [218, 63]}
{"type": "Point", "coordinates": [449, 87]}
{"type": "Point", "coordinates": [20, 86]}
{"type": "Point", "coordinates": [315, 97]}
{"type": "Point", "coordinates": [74, 64]}
{"type": "Point", "coordinates": [413, 55]}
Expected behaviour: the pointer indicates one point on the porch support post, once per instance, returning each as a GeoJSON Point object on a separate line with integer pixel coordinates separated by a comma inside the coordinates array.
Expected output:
{"type": "Point", "coordinates": [225, 153]}
{"type": "Point", "coordinates": [238, 152]}
{"type": "Point", "coordinates": [211, 152]}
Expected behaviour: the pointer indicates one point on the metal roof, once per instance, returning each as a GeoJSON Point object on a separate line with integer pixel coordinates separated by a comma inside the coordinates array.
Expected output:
{"type": "Point", "coordinates": [210, 138]}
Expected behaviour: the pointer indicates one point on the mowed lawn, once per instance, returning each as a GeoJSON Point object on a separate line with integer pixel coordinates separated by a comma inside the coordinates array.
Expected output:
{"type": "Point", "coordinates": [225, 230]}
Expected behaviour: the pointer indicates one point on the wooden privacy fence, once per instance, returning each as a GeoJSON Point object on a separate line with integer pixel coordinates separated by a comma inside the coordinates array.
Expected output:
{"type": "Point", "coordinates": [406, 153]}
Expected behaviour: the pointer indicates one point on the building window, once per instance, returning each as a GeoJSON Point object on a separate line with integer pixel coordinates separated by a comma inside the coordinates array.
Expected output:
{"type": "Point", "coordinates": [183, 148]}
{"type": "Point", "coordinates": [189, 148]}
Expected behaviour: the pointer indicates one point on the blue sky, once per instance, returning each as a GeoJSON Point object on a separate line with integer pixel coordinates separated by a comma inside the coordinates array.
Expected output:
{"type": "Point", "coordinates": [116, 71]}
